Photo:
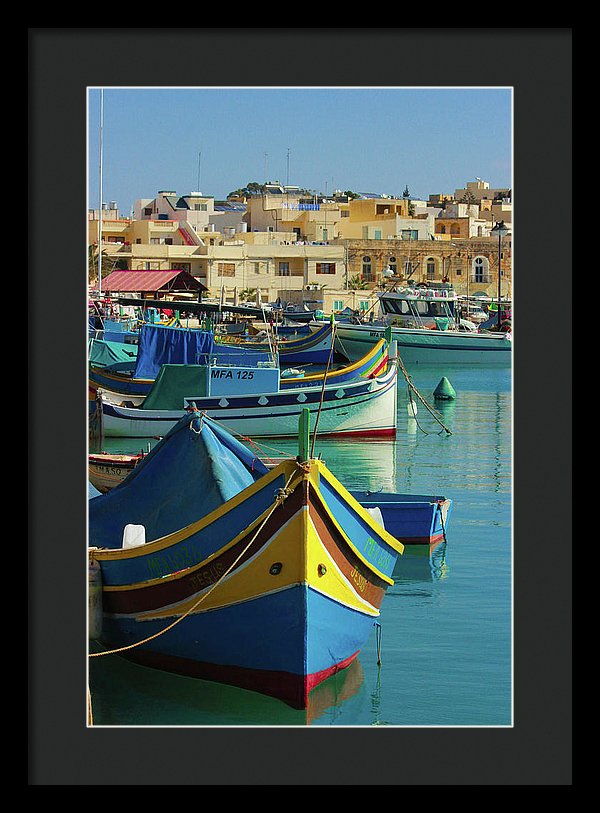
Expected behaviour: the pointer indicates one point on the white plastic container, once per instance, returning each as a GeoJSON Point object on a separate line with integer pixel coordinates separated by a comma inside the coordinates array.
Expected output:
{"type": "Point", "coordinates": [133, 536]}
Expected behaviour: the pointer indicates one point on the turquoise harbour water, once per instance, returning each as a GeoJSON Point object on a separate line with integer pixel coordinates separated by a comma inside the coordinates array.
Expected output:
{"type": "Point", "coordinates": [446, 625]}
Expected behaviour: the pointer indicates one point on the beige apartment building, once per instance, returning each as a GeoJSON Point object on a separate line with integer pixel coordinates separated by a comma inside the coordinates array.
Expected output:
{"type": "Point", "coordinates": [329, 252]}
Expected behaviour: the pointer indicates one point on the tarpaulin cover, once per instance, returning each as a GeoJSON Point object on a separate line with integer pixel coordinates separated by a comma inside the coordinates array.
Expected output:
{"type": "Point", "coordinates": [102, 353]}
{"type": "Point", "coordinates": [193, 470]}
{"type": "Point", "coordinates": [174, 383]}
{"type": "Point", "coordinates": [170, 345]}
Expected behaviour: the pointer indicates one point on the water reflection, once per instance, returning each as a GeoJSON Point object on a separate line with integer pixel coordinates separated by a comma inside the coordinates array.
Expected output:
{"type": "Point", "coordinates": [361, 465]}
{"type": "Point", "coordinates": [127, 694]}
{"type": "Point", "coordinates": [428, 567]}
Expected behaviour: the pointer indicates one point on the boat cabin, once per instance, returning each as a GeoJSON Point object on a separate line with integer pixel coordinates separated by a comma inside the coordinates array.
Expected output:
{"type": "Point", "coordinates": [420, 308]}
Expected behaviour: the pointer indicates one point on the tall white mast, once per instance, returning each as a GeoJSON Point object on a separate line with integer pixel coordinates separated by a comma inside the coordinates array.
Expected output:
{"type": "Point", "coordinates": [100, 206]}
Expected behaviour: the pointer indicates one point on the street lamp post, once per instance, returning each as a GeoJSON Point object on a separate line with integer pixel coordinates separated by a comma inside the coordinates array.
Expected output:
{"type": "Point", "coordinates": [501, 230]}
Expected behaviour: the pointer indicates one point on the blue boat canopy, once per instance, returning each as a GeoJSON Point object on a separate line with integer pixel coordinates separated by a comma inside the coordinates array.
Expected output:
{"type": "Point", "coordinates": [160, 345]}
{"type": "Point", "coordinates": [194, 469]}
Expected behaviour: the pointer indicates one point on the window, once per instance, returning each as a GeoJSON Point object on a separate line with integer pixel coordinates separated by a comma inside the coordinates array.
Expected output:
{"type": "Point", "coordinates": [283, 270]}
{"type": "Point", "coordinates": [366, 266]}
{"type": "Point", "coordinates": [410, 234]}
{"type": "Point", "coordinates": [479, 269]}
{"type": "Point", "coordinates": [182, 267]}
{"type": "Point", "coordinates": [325, 268]}
{"type": "Point", "coordinates": [200, 207]}
{"type": "Point", "coordinates": [392, 264]}
{"type": "Point", "coordinates": [408, 268]}
{"type": "Point", "coordinates": [338, 304]}
{"type": "Point", "coordinates": [377, 234]}
{"type": "Point", "coordinates": [430, 268]}
{"type": "Point", "coordinates": [344, 213]}
{"type": "Point", "coordinates": [225, 269]}
{"type": "Point", "coordinates": [363, 305]}
{"type": "Point", "coordinates": [458, 272]}
{"type": "Point", "coordinates": [147, 212]}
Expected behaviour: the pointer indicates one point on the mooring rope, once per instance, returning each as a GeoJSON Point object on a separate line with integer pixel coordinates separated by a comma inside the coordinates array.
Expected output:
{"type": "Point", "coordinates": [378, 638]}
{"type": "Point", "coordinates": [280, 496]}
{"type": "Point", "coordinates": [250, 440]}
{"type": "Point", "coordinates": [442, 521]}
{"type": "Point", "coordinates": [434, 412]}
{"type": "Point", "coordinates": [312, 448]}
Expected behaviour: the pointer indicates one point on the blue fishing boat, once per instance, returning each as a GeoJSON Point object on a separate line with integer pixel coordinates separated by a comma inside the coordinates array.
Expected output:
{"type": "Point", "coordinates": [133, 380]}
{"type": "Point", "coordinates": [214, 566]}
{"type": "Point", "coordinates": [312, 348]}
{"type": "Point", "coordinates": [419, 521]}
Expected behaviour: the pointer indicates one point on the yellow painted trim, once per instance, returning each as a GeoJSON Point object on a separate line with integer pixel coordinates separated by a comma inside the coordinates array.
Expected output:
{"type": "Point", "coordinates": [351, 368]}
{"type": "Point", "coordinates": [298, 546]}
{"type": "Point", "coordinates": [333, 582]}
{"type": "Point", "coordinates": [119, 378]}
{"type": "Point", "coordinates": [252, 579]}
{"type": "Point", "coordinates": [285, 467]}
{"type": "Point", "coordinates": [362, 512]}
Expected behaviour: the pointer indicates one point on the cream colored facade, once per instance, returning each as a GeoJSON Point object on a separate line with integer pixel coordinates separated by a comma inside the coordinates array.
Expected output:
{"type": "Point", "coordinates": [479, 189]}
{"type": "Point", "coordinates": [276, 248]}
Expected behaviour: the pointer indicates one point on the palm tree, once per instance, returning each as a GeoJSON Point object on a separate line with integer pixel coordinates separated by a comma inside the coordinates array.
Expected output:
{"type": "Point", "coordinates": [357, 283]}
{"type": "Point", "coordinates": [247, 294]}
{"type": "Point", "coordinates": [108, 264]}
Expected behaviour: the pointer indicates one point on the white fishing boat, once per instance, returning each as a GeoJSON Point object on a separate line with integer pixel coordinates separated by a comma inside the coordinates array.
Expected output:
{"type": "Point", "coordinates": [428, 330]}
{"type": "Point", "coordinates": [249, 399]}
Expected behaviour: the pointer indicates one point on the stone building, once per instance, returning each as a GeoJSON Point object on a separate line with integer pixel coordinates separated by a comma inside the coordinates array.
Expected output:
{"type": "Point", "coordinates": [270, 247]}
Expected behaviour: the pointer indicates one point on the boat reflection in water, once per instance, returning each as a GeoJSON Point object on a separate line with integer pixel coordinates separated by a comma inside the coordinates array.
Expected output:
{"type": "Point", "coordinates": [129, 695]}
{"type": "Point", "coordinates": [430, 566]}
{"type": "Point", "coordinates": [367, 465]}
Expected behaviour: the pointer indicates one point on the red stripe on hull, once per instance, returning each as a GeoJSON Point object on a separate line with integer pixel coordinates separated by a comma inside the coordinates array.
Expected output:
{"type": "Point", "coordinates": [364, 433]}
{"type": "Point", "coordinates": [432, 541]}
{"type": "Point", "coordinates": [291, 689]}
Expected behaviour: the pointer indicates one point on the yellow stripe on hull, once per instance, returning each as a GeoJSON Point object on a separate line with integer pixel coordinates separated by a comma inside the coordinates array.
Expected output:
{"type": "Point", "coordinates": [286, 468]}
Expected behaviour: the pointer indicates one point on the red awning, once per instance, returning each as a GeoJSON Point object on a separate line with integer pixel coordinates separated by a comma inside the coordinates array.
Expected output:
{"type": "Point", "coordinates": [149, 281]}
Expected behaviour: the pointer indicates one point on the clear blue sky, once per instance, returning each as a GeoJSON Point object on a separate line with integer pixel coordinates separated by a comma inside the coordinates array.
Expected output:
{"type": "Point", "coordinates": [377, 140]}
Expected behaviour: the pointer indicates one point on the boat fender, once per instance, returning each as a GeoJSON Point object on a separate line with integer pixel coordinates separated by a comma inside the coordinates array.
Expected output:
{"type": "Point", "coordinates": [133, 536]}
{"type": "Point", "coordinates": [375, 512]}
{"type": "Point", "coordinates": [94, 600]}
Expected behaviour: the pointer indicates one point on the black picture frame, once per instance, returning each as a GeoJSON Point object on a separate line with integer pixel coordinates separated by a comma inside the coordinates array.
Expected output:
{"type": "Point", "coordinates": [537, 64]}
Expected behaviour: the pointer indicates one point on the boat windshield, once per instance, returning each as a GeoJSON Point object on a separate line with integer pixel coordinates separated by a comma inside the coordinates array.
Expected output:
{"type": "Point", "coordinates": [417, 307]}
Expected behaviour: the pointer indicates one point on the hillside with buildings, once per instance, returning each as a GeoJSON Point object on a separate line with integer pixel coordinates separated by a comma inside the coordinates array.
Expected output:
{"type": "Point", "coordinates": [331, 252]}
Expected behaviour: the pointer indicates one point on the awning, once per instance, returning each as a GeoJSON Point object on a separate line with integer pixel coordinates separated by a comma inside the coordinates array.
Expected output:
{"type": "Point", "coordinates": [150, 281]}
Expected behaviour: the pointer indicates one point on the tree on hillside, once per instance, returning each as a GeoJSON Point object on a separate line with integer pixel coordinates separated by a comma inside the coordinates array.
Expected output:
{"type": "Point", "coordinates": [252, 189]}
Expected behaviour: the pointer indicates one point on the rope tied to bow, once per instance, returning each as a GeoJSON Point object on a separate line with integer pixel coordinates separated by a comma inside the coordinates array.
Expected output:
{"type": "Point", "coordinates": [280, 496]}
